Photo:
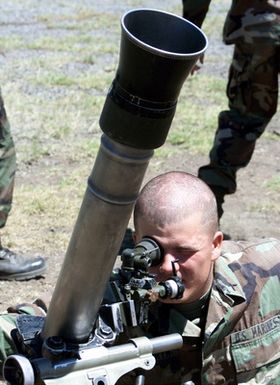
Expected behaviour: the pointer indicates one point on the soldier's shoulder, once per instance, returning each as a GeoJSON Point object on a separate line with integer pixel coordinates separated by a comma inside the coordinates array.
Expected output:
{"type": "Point", "coordinates": [261, 251]}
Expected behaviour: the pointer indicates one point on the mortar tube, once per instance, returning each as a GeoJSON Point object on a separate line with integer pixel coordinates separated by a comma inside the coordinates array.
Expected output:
{"type": "Point", "coordinates": [94, 245]}
{"type": "Point", "coordinates": [136, 117]}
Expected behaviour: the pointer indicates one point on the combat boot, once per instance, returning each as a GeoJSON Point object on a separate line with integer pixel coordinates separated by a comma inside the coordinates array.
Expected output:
{"type": "Point", "coordinates": [16, 267]}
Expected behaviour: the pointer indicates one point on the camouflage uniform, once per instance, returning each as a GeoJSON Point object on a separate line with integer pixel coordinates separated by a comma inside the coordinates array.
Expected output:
{"type": "Point", "coordinates": [8, 323]}
{"type": "Point", "coordinates": [240, 336]}
{"type": "Point", "coordinates": [12, 265]}
{"type": "Point", "coordinates": [253, 26]}
{"type": "Point", "coordinates": [7, 165]}
{"type": "Point", "coordinates": [7, 346]}
{"type": "Point", "coordinates": [236, 340]}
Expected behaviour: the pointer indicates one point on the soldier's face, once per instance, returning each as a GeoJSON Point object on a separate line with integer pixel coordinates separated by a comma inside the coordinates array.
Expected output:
{"type": "Point", "coordinates": [193, 248]}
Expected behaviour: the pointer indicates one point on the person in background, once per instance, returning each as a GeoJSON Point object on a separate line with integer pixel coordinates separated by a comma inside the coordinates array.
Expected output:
{"type": "Point", "coordinates": [253, 27]}
{"type": "Point", "coordinates": [12, 266]}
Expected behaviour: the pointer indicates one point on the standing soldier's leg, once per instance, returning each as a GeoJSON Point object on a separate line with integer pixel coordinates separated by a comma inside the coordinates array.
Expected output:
{"type": "Point", "coordinates": [12, 266]}
{"type": "Point", "coordinates": [7, 165]}
{"type": "Point", "coordinates": [252, 92]}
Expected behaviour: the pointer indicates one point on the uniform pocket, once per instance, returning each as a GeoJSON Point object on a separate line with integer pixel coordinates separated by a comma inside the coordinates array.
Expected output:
{"type": "Point", "coordinates": [256, 352]}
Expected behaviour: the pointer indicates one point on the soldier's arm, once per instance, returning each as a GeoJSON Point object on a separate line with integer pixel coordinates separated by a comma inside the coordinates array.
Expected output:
{"type": "Point", "coordinates": [8, 324]}
{"type": "Point", "coordinates": [195, 11]}
{"type": "Point", "coordinates": [7, 346]}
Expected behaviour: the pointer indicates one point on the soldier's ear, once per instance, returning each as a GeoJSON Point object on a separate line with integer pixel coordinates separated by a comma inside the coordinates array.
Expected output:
{"type": "Point", "coordinates": [217, 245]}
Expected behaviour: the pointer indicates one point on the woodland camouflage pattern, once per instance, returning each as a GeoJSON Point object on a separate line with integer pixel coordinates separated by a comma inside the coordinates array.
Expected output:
{"type": "Point", "coordinates": [252, 93]}
{"type": "Point", "coordinates": [8, 323]}
{"type": "Point", "coordinates": [252, 90]}
{"type": "Point", "coordinates": [240, 344]}
{"type": "Point", "coordinates": [241, 341]}
{"type": "Point", "coordinates": [248, 21]}
{"type": "Point", "coordinates": [7, 165]}
{"type": "Point", "coordinates": [7, 347]}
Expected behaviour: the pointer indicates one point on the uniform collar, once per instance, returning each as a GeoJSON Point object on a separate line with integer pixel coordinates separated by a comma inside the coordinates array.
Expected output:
{"type": "Point", "coordinates": [225, 294]}
{"type": "Point", "coordinates": [226, 304]}
{"type": "Point", "coordinates": [226, 283]}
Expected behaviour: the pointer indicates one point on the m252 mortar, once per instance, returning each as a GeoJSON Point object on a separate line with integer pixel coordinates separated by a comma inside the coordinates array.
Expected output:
{"type": "Point", "coordinates": [76, 342]}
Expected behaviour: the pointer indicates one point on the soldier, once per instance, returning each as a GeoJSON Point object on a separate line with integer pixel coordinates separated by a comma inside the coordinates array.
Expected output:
{"type": "Point", "coordinates": [12, 266]}
{"type": "Point", "coordinates": [229, 314]}
{"type": "Point", "coordinates": [253, 26]}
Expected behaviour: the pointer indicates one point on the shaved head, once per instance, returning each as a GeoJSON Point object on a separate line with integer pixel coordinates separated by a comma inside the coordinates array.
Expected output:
{"type": "Point", "coordinates": [172, 197]}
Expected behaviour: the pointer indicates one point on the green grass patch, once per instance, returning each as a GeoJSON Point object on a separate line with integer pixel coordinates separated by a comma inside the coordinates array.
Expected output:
{"type": "Point", "coordinates": [11, 42]}
{"type": "Point", "coordinates": [89, 148]}
{"type": "Point", "coordinates": [271, 135]}
{"type": "Point", "coordinates": [265, 207]}
{"type": "Point", "coordinates": [72, 43]}
{"type": "Point", "coordinates": [83, 19]}
{"type": "Point", "coordinates": [195, 121]}
{"type": "Point", "coordinates": [33, 150]}
{"type": "Point", "coordinates": [273, 184]}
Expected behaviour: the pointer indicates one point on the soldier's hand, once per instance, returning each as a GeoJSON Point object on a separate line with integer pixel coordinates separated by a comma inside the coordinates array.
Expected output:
{"type": "Point", "coordinates": [198, 65]}
{"type": "Point", "coordinates": [38, 307]}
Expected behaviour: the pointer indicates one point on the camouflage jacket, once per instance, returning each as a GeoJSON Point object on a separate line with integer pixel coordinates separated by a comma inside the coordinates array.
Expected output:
{"type": "Point", "coordinates": [241, 339]}
{"type": "Point", "coordinates": [248, 21]}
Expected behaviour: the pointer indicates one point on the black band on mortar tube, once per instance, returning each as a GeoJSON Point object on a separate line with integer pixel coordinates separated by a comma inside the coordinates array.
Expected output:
{"type": "Point", "coordinates": [133, 121]}
{"type": "Point", "coordinates": [140, 106]}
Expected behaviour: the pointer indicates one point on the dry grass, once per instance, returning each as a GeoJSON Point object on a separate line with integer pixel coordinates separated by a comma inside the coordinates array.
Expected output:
{"type": "Point", "coordinates": [58, 64]}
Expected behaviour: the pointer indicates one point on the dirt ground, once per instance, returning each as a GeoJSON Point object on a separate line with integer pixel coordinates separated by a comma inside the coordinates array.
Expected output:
{"type": "Point", "coordinates": [244, 218]}
{"type": "Point", "coordinates": [253, 212]}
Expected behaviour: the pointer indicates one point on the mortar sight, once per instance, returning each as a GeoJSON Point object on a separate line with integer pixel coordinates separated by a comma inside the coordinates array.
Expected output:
{"type": "Point", "coordinates": [146, 253]}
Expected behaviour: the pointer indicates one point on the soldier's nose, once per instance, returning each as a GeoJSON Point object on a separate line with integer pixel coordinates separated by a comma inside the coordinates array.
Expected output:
{"type": "Point", "coordinates": [169, 265]}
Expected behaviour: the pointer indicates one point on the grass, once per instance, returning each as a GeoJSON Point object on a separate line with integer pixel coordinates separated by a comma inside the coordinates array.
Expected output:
{"type": "Point", "coordinates": [11, 42]}
{"type": "Point", "coordinates": [200, 102]}
{"type": "Point", "coordinates": [273, 184]}
{"type": "Point", "coordinates": [53, 53]}
{"type": "Point", "coordinates": [265, 208]}
{"type": "Point", "coordinates": [56, 68]}
{"type": "Point", "coordinates": [56, 81]}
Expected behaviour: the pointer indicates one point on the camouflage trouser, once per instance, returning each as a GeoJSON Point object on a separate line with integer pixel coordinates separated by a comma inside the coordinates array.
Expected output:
{"type": "Point", "coordinates": [7, 346]}
{"type": "Point", "coordinates": [252, 91]}
{"type": "Point", "coordinates": [7, 165]}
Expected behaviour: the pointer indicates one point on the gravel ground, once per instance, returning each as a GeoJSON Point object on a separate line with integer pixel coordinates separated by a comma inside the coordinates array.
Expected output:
{"type": "Point", "coordinates": [27, 19]}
